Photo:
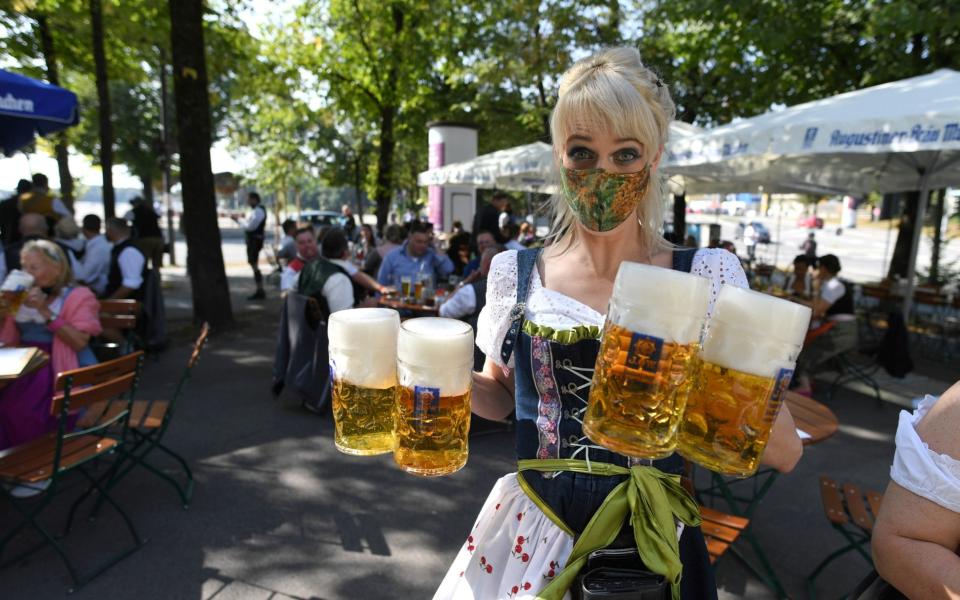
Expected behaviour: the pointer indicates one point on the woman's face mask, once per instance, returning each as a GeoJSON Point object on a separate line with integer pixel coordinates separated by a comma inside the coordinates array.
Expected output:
{"type": "Point", "coordinates": [601, 199]}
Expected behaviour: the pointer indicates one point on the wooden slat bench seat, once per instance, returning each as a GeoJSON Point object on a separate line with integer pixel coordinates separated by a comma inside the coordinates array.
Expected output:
{"type": "Point", "coordinates": [720, 530]}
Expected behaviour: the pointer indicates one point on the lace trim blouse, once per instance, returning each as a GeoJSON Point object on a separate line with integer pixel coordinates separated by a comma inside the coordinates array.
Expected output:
{"type": "Point", "coordinates": [549, 308]}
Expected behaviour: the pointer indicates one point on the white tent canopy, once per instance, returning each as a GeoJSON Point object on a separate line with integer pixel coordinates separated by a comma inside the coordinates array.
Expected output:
{"type": "Point", "coordinates": [527, 168]}
{"type": "Point", "coordinates": [883, 138]}
{"type": "Point", "coordinates": [895, 137]}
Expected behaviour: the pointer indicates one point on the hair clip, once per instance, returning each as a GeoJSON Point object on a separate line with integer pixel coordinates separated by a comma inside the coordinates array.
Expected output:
{"type": "Point", "coordinates": [658, 83]}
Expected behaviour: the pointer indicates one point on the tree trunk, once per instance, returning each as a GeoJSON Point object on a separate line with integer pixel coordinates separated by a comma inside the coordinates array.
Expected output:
{"type": "Point", "coordinates": [53, 76]}
{"type": "Point", "coordinates": [147, 183]}
{"type": "Point", "coordinates": [358, 199]}
{"type": "Point", "coordinates": [901, 251]}
{"type": "Point", "coordinates": [384, 184]}
{"type": "Point", "coordinates": [103, 100]}
{"type": "Point", "coordinates": [936, 217]}
{"type": "Point", "coordinates": [208, 279]}
{"type": "Point", "coordinates": [679, 218]}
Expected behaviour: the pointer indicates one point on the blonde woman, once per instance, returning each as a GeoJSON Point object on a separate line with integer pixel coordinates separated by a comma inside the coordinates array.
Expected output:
{"type": "Point", "coordinates": [58, 318]}
{"type": "Point", "coordinates": [539, 331]}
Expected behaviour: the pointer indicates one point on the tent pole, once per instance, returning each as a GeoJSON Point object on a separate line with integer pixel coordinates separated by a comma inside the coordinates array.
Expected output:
{"type": "Point", "coordinates": [776, 249]}
{"type": "Point", "coordinates": [884, 266]}
{"type": "Point", "coordinates": [917, 233]}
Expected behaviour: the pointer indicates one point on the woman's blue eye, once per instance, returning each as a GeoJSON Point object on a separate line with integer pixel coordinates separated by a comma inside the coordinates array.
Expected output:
{"type": "Point", "coordinates": [580, 153]}
{"type": "Point", "coordinates": [626, 156]}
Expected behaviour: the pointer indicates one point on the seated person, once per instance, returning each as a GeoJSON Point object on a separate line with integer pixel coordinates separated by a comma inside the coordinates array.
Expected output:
{"type": "Point", "coordinates": [467, 301]}
{"type": "Point", "coordinates": [511, 231]}
{"type": "Point", "coordinates": [288, 245]}
{"type": "Point", "coordinates": [415, 257]}
{"type": "Point", "coordinates": [833, 328]}
{"type": "Point", "coordinates": [800, 282]}
{"type": "Point", "coordinates": [127, 263]}
{"type": "Point", "coordinates": [306, 252]}
{"type": "Point", "coordinates": [484, 240]}
{"type": "Point", "coordinates": [57, 317]}
{"type": "Point", "coordinates": [336, 249]}
{"type": "Point", "coordinates": [95, 265]}
{"type": "Point", "coordinates": [326, 282]}
{"type": "Point", "coordinates": [33, 226]}
{"type": "Point", "coordinates": [917, 534]}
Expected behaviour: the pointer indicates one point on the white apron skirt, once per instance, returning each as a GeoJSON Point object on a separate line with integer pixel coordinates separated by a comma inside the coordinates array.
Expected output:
{"type": "Point", "coordinates": [513, 551]}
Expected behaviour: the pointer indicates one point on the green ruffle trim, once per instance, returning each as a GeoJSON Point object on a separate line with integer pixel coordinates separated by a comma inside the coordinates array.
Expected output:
{"type": "Point", "coordinates": [562, 336]}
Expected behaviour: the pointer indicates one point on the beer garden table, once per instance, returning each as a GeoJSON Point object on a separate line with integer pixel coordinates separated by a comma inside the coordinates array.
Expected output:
{"type": "Point", "coordinates": [815, 423]}
{"type": "Point", "coordinates": [402, 305]}
{"type": "Point", "coordinates": [39, 360]}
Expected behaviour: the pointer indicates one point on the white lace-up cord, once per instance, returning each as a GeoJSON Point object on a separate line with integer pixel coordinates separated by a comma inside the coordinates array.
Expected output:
{"type": "Point", "coordinates": [585, 375]}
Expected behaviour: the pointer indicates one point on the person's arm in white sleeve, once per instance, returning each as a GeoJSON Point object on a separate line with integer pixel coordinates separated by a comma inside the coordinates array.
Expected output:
{"type": "Point", "coordinates": [339, 292]}
{"type": "Point", "coordinates": [257, 216]}
{"type": "Point", "coordinates": [131, 268]}
{"type": "Point", "coordinates": [460, 304]}
{"type": "Point", "coordinates": [289, 279]}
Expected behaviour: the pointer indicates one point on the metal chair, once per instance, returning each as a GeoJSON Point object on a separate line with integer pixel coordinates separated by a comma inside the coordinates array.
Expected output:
{"type": "Point", "coordinates": [44, 462]}
{"type": "Point", "coordinates": [852, 513]}
{"type": "Point", "coordinates": [148, 424]}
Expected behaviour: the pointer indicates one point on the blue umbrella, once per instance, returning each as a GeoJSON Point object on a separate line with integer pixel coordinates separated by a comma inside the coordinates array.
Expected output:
{"type": "Point", "coordinates": [29, 107]}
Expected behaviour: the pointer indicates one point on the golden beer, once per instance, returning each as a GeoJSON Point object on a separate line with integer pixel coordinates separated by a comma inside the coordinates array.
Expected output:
{"type": "Point", "coordinates": [10, 302]}
{"type": "Point", "coordinates": [647, 360]}
{"type": "Point", "coordinates": [418, 290]}
{"type": "Point", "coordinates": [638, 393]}
{"type": "Point", "coordinates": [747, 362]}
{"type": "Point", "coordinates": [435, 370]}
{"type": "Point", "coordinates": [729, 417]}
{"type": "Point", "coordinates": [363, 369]}
{"type": "Point", "coordinates": [432, 432]}
{"type": "Point", "coordinates": [363, 418]}
{"type": "Point", "coordinates": [14, 290]}
{"type": "Point", "coordinates": [405, 287]}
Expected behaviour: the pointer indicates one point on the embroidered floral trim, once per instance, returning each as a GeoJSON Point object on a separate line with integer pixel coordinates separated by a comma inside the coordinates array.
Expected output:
{"type": "Point", "coordinates": [549, 407]}
{"type": "Point", "coordinates": [562, 336]}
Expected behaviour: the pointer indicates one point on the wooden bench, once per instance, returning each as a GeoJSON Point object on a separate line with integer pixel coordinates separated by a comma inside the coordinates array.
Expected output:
{"type": "Point", "coordinates": [123, 316]}
{"type": "Point", "coordinates": [852, 512]}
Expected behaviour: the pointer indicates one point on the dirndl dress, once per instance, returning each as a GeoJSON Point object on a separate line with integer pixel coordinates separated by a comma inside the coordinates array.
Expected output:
{"type": "Point", "coordinates": [530, 521]}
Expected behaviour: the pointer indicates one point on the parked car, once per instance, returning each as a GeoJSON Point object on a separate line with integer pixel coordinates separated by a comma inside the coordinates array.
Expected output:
{"type": "Point", "coordinates": [321, 218]}
{"type": "Point", "coordinates": [763, 234]}
{"type": "Point", "coordinates": [810, 222]}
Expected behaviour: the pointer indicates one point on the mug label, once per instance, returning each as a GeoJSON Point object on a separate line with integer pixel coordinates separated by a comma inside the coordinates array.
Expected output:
{"type": "Point", "coordinates": [644, 355]}
{"type": "Point", "coordinates": [781, 384]}
{"type": "Point", "coordinates": [426, 402]}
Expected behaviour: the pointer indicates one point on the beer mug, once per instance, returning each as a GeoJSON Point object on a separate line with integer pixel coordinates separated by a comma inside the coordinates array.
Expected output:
{"type": "Point", "coordinates": [363, 369]}
{"type": "Point", "coordinates": [647, 360]}
{"type": "Point", "coordinates": [748, 355]}
{"type": "Point", "coordinates": [435, 367]}
{"type": "Point", "coordinates": [13, 290]}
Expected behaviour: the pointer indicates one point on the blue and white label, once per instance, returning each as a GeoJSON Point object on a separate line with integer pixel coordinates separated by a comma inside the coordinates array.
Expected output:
{"type": "Point", "coordinates": [644, 353]}
{"type": "Point", "coordinates": [426, 402]}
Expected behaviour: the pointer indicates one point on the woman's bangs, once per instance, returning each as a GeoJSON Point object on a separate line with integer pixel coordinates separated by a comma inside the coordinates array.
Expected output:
{"type": "Point", "coordinates": [602, 104]}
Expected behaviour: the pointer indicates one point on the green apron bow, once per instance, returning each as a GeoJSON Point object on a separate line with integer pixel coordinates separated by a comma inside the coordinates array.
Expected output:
{"type": "Point", "coordinates": [651, 497]}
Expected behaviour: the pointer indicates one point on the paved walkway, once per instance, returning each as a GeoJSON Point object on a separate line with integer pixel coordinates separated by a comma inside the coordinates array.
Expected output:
{"type": "Point", "coordinates": [279, 513]}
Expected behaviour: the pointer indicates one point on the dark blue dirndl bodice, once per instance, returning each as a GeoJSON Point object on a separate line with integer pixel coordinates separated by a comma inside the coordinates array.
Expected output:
{"type": "Point", "coordinates": [552, 382]}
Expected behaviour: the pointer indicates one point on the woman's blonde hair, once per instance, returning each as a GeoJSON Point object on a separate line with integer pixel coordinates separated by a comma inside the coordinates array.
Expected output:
{"type": "Point", "coordinates": [614, 91]}
{"type": "Point", "coordinates": [53, 254]}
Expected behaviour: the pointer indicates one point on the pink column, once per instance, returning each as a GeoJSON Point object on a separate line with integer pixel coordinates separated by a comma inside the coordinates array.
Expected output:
{"type": "Point", "coordinates": [435, 192]}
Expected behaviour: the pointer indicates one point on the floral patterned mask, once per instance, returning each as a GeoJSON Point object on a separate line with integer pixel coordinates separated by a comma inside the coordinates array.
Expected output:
{"type": "Point", "coordinates": [602, 199]}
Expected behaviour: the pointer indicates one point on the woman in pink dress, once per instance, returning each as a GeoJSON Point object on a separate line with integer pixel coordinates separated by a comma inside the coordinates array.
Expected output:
{"type": "Point", "coordinates": [57, 317]}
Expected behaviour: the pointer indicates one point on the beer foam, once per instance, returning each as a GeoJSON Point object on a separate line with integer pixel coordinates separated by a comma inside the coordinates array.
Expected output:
{"type": "Point", "coordinates": [436, 352]}
{"type": "Point", "coordinates": [17, 281]}
{"type": "Point", "coordinates": [363, 346]}
{"type": "Point", "coordinates": [755, 333]}
{"type": "Point", "coordinates": [661, 302]}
